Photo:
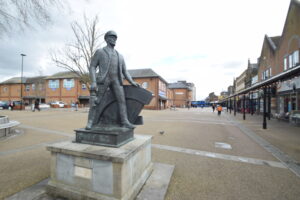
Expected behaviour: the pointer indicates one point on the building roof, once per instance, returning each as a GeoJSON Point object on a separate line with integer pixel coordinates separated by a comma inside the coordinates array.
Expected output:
{"type": "Point", "coordinates": [35, 79]}
{"type": "Point", "coordinates": [144, 73]}
{"type": "Point", "coordinates": [181, 85]}
{"type": "Point", "coordinates": [14, 80]}
{"type": "Point", "coordinates": [65, 74]}
{"type": "Point", "coordinates": [273, 41]}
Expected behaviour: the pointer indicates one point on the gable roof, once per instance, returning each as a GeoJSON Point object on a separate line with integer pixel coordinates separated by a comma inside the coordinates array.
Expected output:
{"type": "Point", "coordinates": [65, 74]}
{"type": "Point", "coordinates": [292, 3]}
{"type": "Point", "coordinates": [14, 80]}
{"type": "Point", "coordinates": [144, 73]}
{"type": "Point", "coordinates": [181, 85]}
{"type": "Point", "coordinates": [35, 79]}
{"type": "Point", "coordinates": [25, 80]}
{"type": "Point", "coordinates": [273, 41]}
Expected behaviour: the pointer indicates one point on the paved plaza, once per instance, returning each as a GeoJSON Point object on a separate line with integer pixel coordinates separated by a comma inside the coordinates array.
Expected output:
{"type": "Point", "coordinates": [215, 157]}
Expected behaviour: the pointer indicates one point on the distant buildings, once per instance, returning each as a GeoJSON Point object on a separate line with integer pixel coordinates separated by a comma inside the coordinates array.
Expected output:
{"type": "Point", "coordinates": [66, 87]}
{"type": "Point", "coordinates": [275, 76]}
{"type": "Point", "coordinates": [182, 93]}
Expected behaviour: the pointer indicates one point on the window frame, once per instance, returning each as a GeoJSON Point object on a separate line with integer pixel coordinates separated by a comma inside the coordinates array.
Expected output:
{"type": "Point", "coordinates": [53, 84]}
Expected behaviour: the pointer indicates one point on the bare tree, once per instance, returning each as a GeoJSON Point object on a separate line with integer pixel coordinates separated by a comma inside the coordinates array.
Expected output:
{"type": "Point", "coordinates": [25, 13]}
{"type": "Point", "coordinates": [76, 56]}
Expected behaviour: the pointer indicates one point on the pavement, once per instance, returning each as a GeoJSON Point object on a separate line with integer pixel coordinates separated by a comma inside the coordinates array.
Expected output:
{"type": "Point", "coordinates": [215, 157]}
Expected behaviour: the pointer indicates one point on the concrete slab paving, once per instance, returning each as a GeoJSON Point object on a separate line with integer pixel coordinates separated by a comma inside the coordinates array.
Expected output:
{"type": "Point", "coordinates": [195, 176]}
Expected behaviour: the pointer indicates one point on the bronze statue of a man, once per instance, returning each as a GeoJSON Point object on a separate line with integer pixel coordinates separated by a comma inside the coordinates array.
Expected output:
{"type": "Point", "coordinates": [111, 70]}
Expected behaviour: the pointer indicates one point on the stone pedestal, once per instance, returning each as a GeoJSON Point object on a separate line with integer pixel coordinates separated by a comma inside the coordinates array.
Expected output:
{"type": "Point", "coordinates": [111, 137]}
{"type": "Point", "coordinates": [84, 171]}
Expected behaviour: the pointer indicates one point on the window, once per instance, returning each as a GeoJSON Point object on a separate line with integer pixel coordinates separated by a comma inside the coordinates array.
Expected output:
{"type": "Point", "coordinates": [53, 84]}
{"type": "Point", "coordinates": [5, 89]}
{"type": "Point", "coordinates": [68, 83]}
{"type": "Point", "coordinates": [145, 85]}
{"type": "Point", "coordinates": [83, 86]}
{"type": "Point", "coordinates": [27, 88]}
{"type": "Point", "coordinates": [295, 58]}
{"type": "Point", "coordinates": [290, 61]}
{"type": "Point", "coordinates": [41, 87]}
{"type": "Point", "coordinates": [285, 67]}
{"type": "Point", "coordinates": [33, 87]}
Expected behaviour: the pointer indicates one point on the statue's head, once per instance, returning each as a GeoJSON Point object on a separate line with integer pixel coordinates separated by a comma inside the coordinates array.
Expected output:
{"type": "Point", "coordinates": [111, 37]}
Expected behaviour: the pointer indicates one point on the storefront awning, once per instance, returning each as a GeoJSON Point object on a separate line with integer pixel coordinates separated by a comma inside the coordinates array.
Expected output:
{"type": "Point", "coordinates": [163, 97]}
{"type": "Point", "coordinates": [84, 97]}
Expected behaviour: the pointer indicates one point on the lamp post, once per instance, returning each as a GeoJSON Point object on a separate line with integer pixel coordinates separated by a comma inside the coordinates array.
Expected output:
{"type": "Point", "coordinates": [22, 80]}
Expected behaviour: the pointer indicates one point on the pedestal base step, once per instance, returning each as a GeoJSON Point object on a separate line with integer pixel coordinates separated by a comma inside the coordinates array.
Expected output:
{"type": "Point", "coordinates": [155, 187]}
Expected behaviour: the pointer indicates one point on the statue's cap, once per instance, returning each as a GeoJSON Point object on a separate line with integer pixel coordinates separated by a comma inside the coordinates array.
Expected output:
{"type": "Point", "coordinates": [108, 33]}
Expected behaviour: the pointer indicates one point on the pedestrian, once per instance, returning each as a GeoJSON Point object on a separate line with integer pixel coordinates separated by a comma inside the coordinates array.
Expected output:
{"type": "Point", "coordinates": [11, 105]}
{"type": "Point", "coordinates": [37, 105]}
{"type": "Point", "coordinates": [213, 107]}
{"type": "Point", "coordinates": [219, 109]}
{"type": "Point", "coordinates": [76, 106]}
{"type": "Point", "coordinates": [32, 107]}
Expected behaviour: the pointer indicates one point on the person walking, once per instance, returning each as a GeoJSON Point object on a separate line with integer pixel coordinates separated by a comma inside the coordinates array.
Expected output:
{"type": "Point", "coordinates": [37, 105]}
{"type": "Point", "coordinates": [219, 109]}
{"type": "Point", "coordinates": [11, 105]}
{"type": "Point", "coordinates": [76, 106]}
{"type": "Point", "coordinates": [213, 107]}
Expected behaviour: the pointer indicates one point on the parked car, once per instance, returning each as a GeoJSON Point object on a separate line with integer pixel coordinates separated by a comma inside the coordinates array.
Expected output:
{"type": "Point", "coordinates": [60, 104]}
{"type": "Point", "coordinates": [4, 105]}
{"type": "Point", "coordinates": [44, 106]}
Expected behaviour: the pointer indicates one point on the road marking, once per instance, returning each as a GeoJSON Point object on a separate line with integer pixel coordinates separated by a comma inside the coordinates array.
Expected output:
{"type": "Point", "coordinates": [220, 156]}
{"type": "Point", "coordinates": [290, 163]}
{"type": "Point", "coordinates": [222, 145]}
{"type": "Point", "coordinates": [190, 121]}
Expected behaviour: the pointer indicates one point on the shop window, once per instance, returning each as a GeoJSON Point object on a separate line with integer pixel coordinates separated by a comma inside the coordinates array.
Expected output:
{"type": "Point", "coordinates": [53, 84]}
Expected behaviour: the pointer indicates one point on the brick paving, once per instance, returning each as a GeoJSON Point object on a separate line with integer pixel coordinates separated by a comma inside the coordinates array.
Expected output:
{"type": "Point", "coordinates": [24, 160]}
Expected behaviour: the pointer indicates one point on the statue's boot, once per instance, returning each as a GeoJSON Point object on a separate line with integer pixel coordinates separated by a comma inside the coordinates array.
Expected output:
{"type": "Point", "coordinates": [127, 124]}
{"type": "Point", "coordinates": [89, 125]}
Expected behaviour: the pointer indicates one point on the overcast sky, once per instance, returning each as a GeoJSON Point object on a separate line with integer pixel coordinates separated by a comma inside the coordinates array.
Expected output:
{"type": "Point", "coordinates": [204, 42]}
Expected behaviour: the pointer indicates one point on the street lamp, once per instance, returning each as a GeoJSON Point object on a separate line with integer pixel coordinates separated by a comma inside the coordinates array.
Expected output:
{"type": "Point", "coordinates": [21, 80]}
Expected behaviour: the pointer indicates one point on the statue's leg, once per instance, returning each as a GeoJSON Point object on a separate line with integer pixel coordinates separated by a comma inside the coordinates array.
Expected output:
{"type": "Point", "coordinates": [92, 112]}
{"type": "Point", "coordinates": [120, 97]}
{"type": "Point", "coordinates": [95, 100]}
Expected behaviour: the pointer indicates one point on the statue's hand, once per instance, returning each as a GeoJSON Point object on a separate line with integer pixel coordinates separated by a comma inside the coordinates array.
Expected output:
{"type": "Point", "coordinates": [135, 84]}
{"type": "Point", "coordinates": [93, 86]}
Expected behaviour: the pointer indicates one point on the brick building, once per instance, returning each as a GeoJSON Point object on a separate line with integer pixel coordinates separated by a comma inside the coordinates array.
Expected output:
{"type": "Point", "coordinates": [32, 88]}
{"type": "Point", "coordinates": [182, 93]}
{"type": "Point", "coordinates": [66, 87]}
{"type": "Point", "coordinates": [279, 56]}
{"type": "Point", "coordinates": [154, 83]}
